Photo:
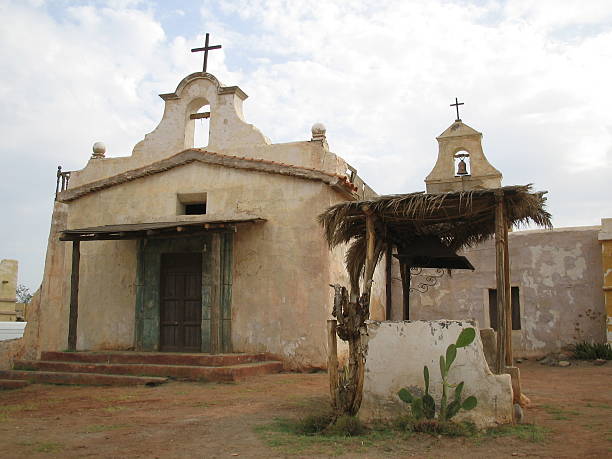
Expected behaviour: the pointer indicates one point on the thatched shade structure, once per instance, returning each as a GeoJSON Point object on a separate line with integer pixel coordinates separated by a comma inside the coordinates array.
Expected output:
{"type": "Point", "coordinates": [457, 220]}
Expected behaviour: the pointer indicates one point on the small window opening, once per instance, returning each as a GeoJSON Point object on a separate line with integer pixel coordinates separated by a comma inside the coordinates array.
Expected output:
{"type": "Point", "coordinates": [516, 308]}
{"type": "Point", "coordinates": [462, 164]}
{"type": "Point", "coordinates": [191, 204]}
{"type": "Point", "coordinates": [195, 209]}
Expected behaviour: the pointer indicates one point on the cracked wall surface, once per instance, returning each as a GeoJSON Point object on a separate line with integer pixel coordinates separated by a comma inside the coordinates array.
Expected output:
{"type": "Point", "coordinates": [559, 276]}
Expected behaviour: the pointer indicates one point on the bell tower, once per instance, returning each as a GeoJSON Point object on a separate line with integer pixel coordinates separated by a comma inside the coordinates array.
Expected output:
{"type": "Point", "coordinates": [461, 163]}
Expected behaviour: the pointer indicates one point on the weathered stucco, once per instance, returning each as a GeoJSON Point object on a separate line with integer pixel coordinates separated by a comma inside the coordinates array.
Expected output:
{"type": "Point", "coordinates": [282, 268]}
{"type": "Point", "coordinates": [396, 355]}
{"type": "Point", "coordinates": [558, 273]}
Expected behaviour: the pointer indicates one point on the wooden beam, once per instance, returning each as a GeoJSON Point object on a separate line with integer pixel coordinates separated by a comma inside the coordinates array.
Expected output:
{"type": "Point", "coordinates": [74, 296]}
{"type": "Point", "coordinates": [197, 116]}
{"type": "Point", "coordinates": [500, 278]}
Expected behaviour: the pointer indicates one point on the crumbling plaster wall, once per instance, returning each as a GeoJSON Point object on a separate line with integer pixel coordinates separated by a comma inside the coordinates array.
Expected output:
{"type": "Point", "coordinates": [558, 273]}
{"type": "Point", "coordinates": [396, 355]}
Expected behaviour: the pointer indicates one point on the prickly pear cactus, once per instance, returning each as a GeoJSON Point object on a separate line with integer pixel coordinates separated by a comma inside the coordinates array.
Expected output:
{"type": "Point", "coordinates": [426, 406]}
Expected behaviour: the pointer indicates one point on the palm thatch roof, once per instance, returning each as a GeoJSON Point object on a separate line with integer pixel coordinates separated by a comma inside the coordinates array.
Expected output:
{"type": "Point", "coordinates": [458, 219]}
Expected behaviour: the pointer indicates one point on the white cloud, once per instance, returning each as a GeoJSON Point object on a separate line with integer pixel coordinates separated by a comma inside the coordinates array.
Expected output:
{"type": "Point", "coordinates": [380, 75]}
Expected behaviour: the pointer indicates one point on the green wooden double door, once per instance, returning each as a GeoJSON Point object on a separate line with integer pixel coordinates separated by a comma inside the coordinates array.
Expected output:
{"type": "Point", "coordinates": [184, 294]}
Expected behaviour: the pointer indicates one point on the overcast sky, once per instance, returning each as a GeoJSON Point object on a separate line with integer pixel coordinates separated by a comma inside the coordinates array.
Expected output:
{"type": "Point", "coordinates": [535, 77]}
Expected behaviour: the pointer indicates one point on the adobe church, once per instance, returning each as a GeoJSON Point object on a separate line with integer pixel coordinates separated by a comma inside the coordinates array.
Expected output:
{"type": "Point", "coordinates": [184, 249]}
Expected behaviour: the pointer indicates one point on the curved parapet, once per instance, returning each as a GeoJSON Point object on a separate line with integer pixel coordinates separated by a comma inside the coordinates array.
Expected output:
{"type": "Point", "coordinates": [175, 131]}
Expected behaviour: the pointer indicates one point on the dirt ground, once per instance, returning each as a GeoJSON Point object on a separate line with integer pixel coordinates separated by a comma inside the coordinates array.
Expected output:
{"type": "Point", "coordinates": [571, 411]}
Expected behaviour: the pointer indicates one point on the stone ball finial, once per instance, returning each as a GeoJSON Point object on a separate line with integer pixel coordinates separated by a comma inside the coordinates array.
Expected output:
{"type": "Point", "coordinates": [318, 131]}
{"type": "Point", "coordinates": [99, 149]}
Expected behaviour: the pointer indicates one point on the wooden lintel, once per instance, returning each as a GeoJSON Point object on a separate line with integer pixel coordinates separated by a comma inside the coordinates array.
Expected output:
{"type": "Point", "coordinates": [197, 116]}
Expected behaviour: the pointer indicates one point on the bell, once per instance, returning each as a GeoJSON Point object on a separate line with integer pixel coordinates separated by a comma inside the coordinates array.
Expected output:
{"type": "Point", "coordinates": [462, 168]}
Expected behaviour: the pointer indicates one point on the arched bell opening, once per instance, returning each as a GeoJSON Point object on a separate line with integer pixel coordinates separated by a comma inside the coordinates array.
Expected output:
{"type": "Point", "coordinates": [202, 127]}
{"type": "Point", "coordinates": [462, 163]}
{"type": "Point", "coordinates": [197, 132]}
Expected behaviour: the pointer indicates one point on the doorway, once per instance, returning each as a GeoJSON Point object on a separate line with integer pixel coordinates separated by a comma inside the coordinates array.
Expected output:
{"type": "Point", "coordinates": [184, 294]}
{"type": "Point", "coordinates": [181, 302]}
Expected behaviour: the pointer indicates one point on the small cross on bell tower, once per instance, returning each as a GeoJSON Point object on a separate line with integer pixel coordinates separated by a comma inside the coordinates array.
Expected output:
{"type": "Point", "coordinates": [456, 105]}
{"type": "Point", "coordinates": [461, 164]}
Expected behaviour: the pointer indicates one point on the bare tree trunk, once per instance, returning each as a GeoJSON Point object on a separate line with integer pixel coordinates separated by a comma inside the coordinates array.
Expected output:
{"type": "Point", "coordinates": [351, 313]}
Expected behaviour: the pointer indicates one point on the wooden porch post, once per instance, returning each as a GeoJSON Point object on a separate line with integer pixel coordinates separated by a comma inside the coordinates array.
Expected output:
{"type": "Point", "coordinates": [215, 303]}
{"type": "Point", "coordinates": [508, 306]}
{"type": "Point", "coordinates": [405, 273]}
{"type": "Point", "coordinates": [388, 280]}
{"type": "Point", "coordinates": [501, 240]}
{"type": "Point", "coordinates": [74, 296]}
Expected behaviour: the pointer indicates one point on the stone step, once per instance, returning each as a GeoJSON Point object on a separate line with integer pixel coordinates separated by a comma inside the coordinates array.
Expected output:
{"type": "Point", "coordinates": [90, 379]}
{"type": "Point", "coordinates": [184, 372]}
{"type": "Point", "coordinates": [13, 383]}
{"type": "Point", "coordinates": [160, 358]}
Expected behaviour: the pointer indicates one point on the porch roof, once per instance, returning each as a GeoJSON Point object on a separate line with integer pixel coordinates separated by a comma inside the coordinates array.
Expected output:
{"type": "Point", "coordinates": [158, 229]}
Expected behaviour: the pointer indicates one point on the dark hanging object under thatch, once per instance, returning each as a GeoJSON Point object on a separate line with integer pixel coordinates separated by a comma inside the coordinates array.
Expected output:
{"type": "Point", "coordinates": [457, 220]}
{"type": "Point", "coordinates": [430, 252]}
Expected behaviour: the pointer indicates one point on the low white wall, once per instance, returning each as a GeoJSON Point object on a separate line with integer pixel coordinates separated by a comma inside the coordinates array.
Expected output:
{"type": "Point", "coordinates": [396, 354]}
{"type": "Point", "coordinates": [11, 330]}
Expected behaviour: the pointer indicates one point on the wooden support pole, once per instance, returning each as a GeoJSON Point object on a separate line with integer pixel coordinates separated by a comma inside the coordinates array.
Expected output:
{"type": "Point", "coordinates": [405, 274]}
{"type": "Point", "coordinates": [508, 305]}
{"type": "Point", "coordinates": [500, 277]}
{"type": "Point", "coordinates": [74, 296]}
{"type": "Point", "coordinates": [332, 361]}
{"type": "Point", "coordinates": [388, 280]}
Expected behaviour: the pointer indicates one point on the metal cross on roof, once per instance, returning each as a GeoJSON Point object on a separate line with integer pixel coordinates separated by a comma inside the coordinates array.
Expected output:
{"type": "Point", "coordinates": [205, 49]}
{"type": "Point", "coordinates": [456, 105]}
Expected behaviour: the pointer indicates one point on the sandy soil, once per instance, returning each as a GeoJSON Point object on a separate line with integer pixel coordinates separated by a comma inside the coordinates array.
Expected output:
{"type": "Point", "coordinates": [191, 420]}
